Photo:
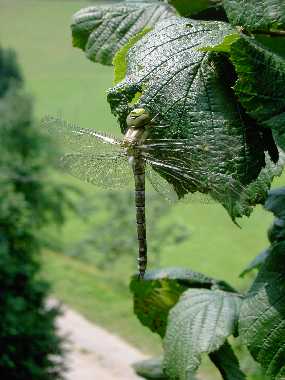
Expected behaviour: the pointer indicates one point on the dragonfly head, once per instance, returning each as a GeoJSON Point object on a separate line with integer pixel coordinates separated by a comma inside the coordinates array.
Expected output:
{"type": "Point", "coordinates": [138, 118]}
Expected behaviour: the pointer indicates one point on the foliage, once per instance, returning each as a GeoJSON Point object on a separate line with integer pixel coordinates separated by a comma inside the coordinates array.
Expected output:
{"type": "Point", "coordinates": [192, 328]}
{"type": "Point", "coordinates": [262, 314]}
{"type": "Point", "coordinates": [161, 290]}
{"type": "Point", "coordinates": [256, 15]}
{"type": "Point", "coordinates": [220, 86]}
{"type": "Point", "coordinates": [30, 348]}
{"type": "Point", "coordinates": [101, 31]}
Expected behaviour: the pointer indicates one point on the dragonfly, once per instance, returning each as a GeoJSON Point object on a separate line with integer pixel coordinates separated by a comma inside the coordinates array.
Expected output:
{"type": "Point", "coordinates": [107, 161]}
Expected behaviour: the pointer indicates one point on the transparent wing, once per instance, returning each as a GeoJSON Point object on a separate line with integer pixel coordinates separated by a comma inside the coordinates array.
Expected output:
{"type": "Point", "coordinates": [101, 170]}
{"type": "Point", "coordinates": [198, 166]}
{"type": "Point", "coordinates": [91, 156]}
{"type": "Point", "coordinates": [72, 138]}
{"type": "Point", "coordinates": [167, 190]}
{"type": "Point", "coordinates": [164, 188]}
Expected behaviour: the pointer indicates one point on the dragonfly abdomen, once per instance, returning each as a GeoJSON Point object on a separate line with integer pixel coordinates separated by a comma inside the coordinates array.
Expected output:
{"type": "Point", "coordinates": [139, 176]}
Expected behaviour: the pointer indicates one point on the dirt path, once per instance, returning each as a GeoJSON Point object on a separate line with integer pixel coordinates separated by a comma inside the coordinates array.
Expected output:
{"type": "Point", "coordinates": [95, 354]}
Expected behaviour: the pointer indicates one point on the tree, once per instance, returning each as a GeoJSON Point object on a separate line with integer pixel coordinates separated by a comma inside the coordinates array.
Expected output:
{"type": "Point", "coordinates": [217, 80]}
{"type": "Point", "coordinates": [29, 200]}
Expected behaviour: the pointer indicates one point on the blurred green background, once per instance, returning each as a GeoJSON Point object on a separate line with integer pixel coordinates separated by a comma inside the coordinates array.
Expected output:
{"type": "Point", "coordinates": [62, 81]}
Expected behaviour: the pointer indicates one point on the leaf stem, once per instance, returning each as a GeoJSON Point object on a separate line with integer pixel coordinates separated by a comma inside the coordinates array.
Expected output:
{"type": "Point", "coordinates": [272, 33]}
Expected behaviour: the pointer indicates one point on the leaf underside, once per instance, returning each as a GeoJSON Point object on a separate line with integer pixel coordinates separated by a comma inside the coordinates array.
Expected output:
{"type": "Point", "coordinates": [199, 323]}
{"type": "Point", "coordinates": [102, 30]}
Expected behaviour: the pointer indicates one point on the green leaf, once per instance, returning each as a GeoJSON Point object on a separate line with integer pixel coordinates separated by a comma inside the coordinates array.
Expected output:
{"type": "Point", "coordinates": [189, 8]}
{"type": "Point", "coordinates": [160, 291]}
{"type": "Point", "coordinates": [190, 92]}
{"type": "Point", "coordinates": [264, 99]}
{"type": "Point", "coordinates": [199, 323]}
{"type": "Point", "coordinates": [274, 44]}
{"type": "Point", "coordinates": [225, 45]}
{"type": "Point", "coordinates": [257, 191]}
{"type": "Point", "coordinates": [256, 14]}
{"type": "Point", "coordinates": [256, 263]}
{"type": "Point", "coordinates": [276, 233]}
{"type": "Point", "coordinates": [262, 318]}
{"type": "Point", "coordinates": [102, 30]}
{"type": "Point", "coordinates": [150, 369]}
{"type": "Point", "coordinates": [119, 60]}
{"type": "Point", "coordinates": [227, 363]}
{"type": "Point", "coordinates": [276, 201]}
{"type": "Point", "coordinates": [277, 123]}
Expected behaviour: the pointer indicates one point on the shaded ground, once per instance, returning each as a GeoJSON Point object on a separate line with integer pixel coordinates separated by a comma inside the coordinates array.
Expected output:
{"type": "Point", "coordinates": [94, 353]}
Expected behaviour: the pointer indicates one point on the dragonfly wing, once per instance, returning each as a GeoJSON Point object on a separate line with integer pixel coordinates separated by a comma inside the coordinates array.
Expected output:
{"type": "Point", "coordinates": [164, 188]}
{"type": "Point", "coordinates": [108, 171]}
{"type": "Point", "coordinates": [188, 168]}
{"type": "Point", "coordinates": [70, 137]}
{"type": "Point", "coordinates": [91, 156]}
{"type": "Point", "coordinates": [167, 190]}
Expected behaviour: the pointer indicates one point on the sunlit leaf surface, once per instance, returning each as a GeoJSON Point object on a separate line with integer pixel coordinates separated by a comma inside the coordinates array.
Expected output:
{"type": "Point", "coordinates": [102, 30]}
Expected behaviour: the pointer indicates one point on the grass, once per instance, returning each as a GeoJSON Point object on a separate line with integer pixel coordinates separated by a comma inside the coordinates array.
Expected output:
{"type": "Point", "coordinates": [99, 296]}
{"type": "Point", "coordinates": [63, 81]}
{"type": "Point", "coordinates": [60, 78]}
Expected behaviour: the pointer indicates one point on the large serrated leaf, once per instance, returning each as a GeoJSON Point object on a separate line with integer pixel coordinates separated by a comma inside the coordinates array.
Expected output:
{"type": "Point", "coordinates": [264, 99]}
{"type": "Point", "coordinates": [161, 289]}
{"type": "Point", "coordinates": [102, 30]}
{"type": "Point", "coordinates": [199, 323]}
{"type": "Point", "coordinates": [262, 317]}
{"type": "Point", "coordinates": [189, 91]}
{"type": "Point", "coordinates": [227, 363]}
{"type": "Point", "coordinates": [256, 14]}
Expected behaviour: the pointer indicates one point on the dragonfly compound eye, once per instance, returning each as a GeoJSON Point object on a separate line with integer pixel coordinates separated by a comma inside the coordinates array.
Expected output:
{"type": "Point", "coordinates": [138, 118]}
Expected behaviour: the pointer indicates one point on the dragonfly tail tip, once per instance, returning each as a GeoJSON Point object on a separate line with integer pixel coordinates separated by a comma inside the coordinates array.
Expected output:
{"type": "Point", "coordinates": [141, 275]}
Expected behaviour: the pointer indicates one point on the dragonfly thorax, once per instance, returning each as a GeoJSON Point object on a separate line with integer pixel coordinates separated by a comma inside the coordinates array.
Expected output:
{"type": "Point", "coordinates": [137, 121]}
{"type": "Point", "coordinates": [134, 136]}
